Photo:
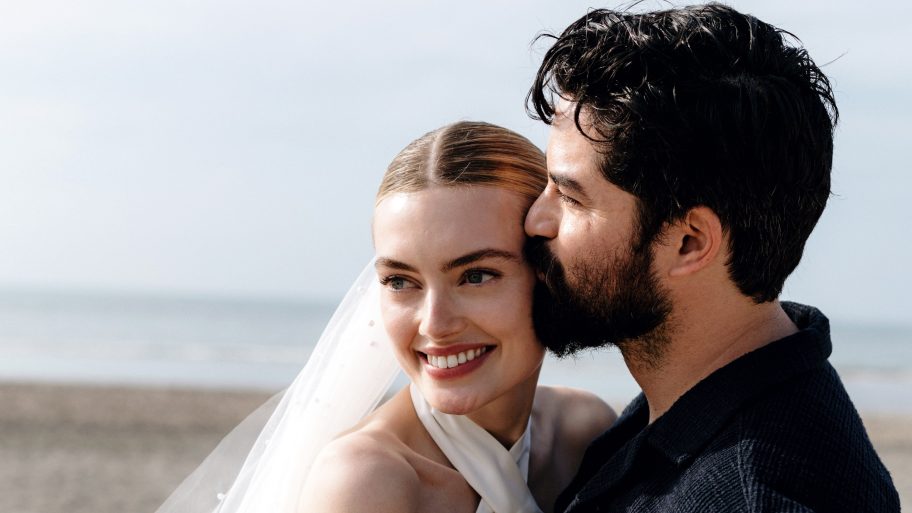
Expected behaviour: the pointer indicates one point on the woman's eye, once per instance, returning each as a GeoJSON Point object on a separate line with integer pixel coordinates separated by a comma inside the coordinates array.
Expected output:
{"type": "Point", "coordinates": [476, 277]}
{"type": "Point", "coordinates": [396, 283]}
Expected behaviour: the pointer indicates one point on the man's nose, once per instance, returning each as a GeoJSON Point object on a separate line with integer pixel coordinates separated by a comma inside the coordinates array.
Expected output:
{"type": "Point", "coordinates": [543, 217]}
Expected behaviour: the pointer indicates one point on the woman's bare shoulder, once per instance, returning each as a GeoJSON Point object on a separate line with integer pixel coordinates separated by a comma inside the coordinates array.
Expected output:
{"type": "Point", "coordinates": [568, 420]}
{"type": "Point", "coordinates": [577, 414]}
{"type": "Point", "coordinates": [362, 471]}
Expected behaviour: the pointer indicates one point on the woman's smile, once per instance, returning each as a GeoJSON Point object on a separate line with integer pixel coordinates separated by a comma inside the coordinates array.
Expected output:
{"type": "Point", "coordinates": [448, 364]}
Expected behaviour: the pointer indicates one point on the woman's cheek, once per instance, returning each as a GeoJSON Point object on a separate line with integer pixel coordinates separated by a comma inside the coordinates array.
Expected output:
{"type": "Point", "coordinates": [397, 321]}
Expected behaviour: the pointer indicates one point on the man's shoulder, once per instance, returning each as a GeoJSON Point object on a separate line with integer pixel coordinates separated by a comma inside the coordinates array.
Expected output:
{"type": "Point", "coordinates": [808, 414]}
{"type": "Point", "coordinates": [804, 440]}
{"type": "Point", "coordinates": [800, 447]}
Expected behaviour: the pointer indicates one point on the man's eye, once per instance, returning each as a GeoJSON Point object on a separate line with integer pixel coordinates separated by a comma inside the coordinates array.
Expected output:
{"type": "Point", "coordinates": [566, 199]}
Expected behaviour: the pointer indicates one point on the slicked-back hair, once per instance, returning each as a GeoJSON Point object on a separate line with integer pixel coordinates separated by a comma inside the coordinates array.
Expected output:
{"type": "Point", "coordinates": [467, 153]}
{"type": "Point", "coordinates": [703, 106]}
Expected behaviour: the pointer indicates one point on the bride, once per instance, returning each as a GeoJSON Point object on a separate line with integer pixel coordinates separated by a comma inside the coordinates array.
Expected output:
{"type": "Point", "coordinates": [473, 431]}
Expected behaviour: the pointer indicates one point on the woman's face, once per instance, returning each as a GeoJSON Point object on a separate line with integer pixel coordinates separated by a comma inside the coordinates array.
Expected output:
{"type": "Point", "coordinates": [457, 294]}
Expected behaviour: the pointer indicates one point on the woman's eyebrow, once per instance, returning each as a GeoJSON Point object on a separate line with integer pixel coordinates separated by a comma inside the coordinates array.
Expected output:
{"type": "Point", "coordinates": [393, 264]}
{"type": "Point", "coordinates": [464, 260]}
{"type": "Point", "coordinates": [479, 255]}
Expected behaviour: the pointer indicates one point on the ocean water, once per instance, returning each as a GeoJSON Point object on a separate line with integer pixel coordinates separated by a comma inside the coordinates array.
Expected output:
{"type": "Point", "coordinates": [247, 344]}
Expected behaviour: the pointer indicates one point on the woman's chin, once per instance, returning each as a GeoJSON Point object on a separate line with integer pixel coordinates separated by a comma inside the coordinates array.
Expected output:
{"type": "Point", "coordinates": [452, 403]}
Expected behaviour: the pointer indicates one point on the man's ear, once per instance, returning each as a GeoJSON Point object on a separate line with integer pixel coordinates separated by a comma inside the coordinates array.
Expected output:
{"type": "Point", "coordinates": [698, 240]}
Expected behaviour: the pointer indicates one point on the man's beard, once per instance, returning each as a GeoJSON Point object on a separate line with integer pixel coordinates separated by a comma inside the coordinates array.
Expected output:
{"type": "Point", "coordinates": [613, 301]}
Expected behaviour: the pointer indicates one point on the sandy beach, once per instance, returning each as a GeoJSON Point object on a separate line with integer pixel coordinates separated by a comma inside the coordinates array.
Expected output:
{"type": "Point", "coordinates": [106, 450]}
{"type": "Point", "coordinates": [78, 449]}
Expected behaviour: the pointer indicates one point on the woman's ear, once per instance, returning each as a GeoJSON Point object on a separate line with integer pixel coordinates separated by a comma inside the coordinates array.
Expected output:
{"type": "Point", "coordinates": [698, 239]}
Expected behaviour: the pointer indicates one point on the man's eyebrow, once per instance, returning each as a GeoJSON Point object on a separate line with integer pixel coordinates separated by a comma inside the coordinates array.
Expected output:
{"type": "Point", "coordinates": [569, 183]}
{"type": "Point", "coordinates": [393, 264]}
{"type": "Point", "coordinates": [479, 255]}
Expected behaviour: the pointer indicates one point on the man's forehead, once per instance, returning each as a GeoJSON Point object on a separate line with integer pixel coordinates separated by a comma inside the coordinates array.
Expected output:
{"type": "Point", "coordinates": [566, 138]}
{"type": "Point", "coordinates": [564, 111]}
{"type": "Point", "coordinates": [573, 160]}
{"type": "Point", "coordinates": [565, 115]}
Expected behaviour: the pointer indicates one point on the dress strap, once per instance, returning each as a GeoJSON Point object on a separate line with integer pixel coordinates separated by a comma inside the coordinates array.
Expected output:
{"type": "Point", "coordinates": [497, 475]}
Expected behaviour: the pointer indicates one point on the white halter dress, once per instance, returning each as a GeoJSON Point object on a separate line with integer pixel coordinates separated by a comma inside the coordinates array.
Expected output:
{"type": "Point", "coordinates": [496, 474]}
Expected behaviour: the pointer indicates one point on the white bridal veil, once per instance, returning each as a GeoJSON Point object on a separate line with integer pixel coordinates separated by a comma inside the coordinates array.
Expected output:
{"type": "Point", "coordinates": [262, 464]}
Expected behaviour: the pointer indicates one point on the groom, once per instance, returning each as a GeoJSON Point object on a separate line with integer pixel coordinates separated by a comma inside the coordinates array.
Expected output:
{"type": "Point", "coordinates": [689, 160]}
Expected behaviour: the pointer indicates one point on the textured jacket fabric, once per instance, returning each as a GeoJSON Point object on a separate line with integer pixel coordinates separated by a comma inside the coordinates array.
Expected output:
{"type": "Point", "coordinates": [773, 431]}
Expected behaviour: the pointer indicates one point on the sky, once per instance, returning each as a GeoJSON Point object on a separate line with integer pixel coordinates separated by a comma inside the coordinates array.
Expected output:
{"type": "Point", "coordinates": [228, 148]}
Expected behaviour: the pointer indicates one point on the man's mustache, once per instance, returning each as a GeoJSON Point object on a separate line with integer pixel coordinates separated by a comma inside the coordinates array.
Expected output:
{"type": "Point", "coordinates": [544, 262]}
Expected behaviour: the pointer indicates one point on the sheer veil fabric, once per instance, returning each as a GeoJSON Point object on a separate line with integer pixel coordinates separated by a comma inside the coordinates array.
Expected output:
{"type": "Point", "coordinates": [262, 464]}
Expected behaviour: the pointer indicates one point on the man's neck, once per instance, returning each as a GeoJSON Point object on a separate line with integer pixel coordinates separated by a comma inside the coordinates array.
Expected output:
{"type": "Point", "coordinates": [701, 340]}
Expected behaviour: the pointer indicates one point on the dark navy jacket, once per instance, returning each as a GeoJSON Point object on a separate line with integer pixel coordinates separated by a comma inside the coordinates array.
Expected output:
{"type": "Point", "coordinates": [772, 431]}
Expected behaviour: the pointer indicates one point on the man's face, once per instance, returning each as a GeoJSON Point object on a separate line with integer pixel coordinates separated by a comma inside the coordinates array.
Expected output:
{"type": "Point", "coordinates": [599, 285]}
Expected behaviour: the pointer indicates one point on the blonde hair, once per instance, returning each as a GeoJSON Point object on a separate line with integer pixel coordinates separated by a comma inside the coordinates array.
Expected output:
{"type": "Point", "coordinates": [467, 153]}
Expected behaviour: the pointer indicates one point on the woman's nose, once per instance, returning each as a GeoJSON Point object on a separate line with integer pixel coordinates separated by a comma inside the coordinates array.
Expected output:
{"type": "Point", "coordinates": [440, 317]}
{"type": "Point", "coordinates": [543, 217]}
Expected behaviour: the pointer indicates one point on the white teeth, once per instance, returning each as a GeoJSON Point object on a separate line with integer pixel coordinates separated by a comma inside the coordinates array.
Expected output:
{"type": "Point", "coordinates": [454, 360]}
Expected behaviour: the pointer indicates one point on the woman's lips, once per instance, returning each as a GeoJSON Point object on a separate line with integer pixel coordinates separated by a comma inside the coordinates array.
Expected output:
{"type": "Point", "coordinates": [450, 363]}
{"type": "Point", "coordinates": [451, 360]}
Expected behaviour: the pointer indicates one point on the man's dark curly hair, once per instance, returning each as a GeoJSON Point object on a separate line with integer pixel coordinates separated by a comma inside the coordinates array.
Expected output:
{"type": "Point", "coordinates": [703, 106]}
